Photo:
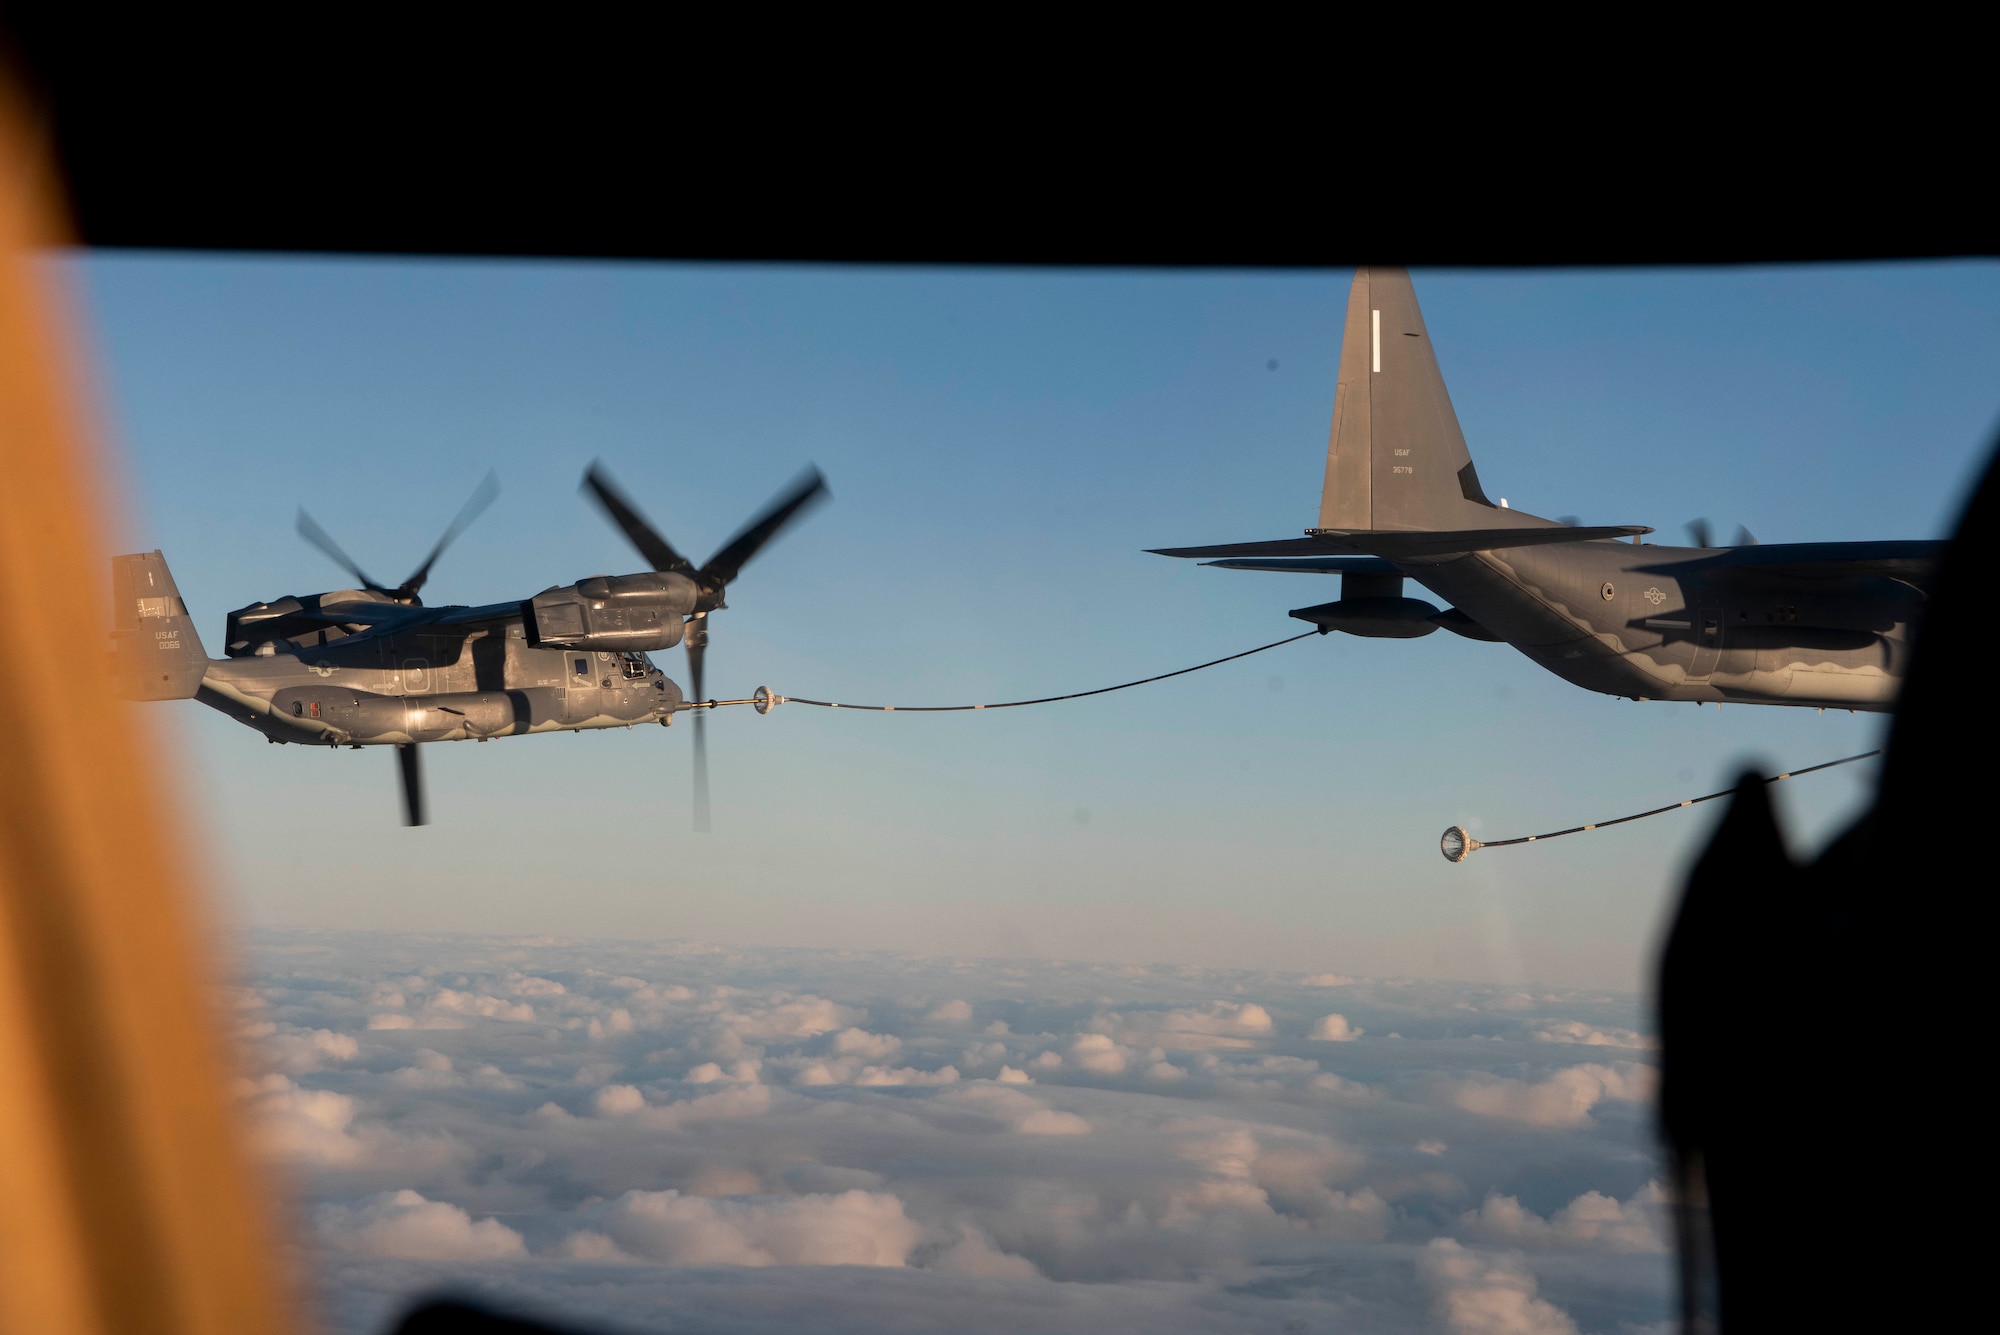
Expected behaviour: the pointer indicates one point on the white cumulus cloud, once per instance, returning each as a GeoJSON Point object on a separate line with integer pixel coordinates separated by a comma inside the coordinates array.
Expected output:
{"type": "Point", "coordinates": [951, 1012]}
{"type": "Point", "coordinates": [1216, 1025]}
{"type": "Point", "coordinates": [308, 1050]}
{"type": "Point", "coordinates": [745, 1071]}
{"type": "Point", "coordinates": [396, 1020]}
{"type": "Point", "coordinates": [449, 1002]}
{"type": "Point", "coordinates": [404, 1226]}
{"type": "Point", "coordinates": [1564, 1099]}
{"type": "Point", "coordinates": [686, 1129]}
{"type": "Point", "coordinates": [304, 1126]}
{"type": "Point", "coordinates": [1575, 1031]}
{"type": "Point", "coordinates": [1335, 1029]}
{"type": "Point", "coordinates": [1099, 1053]}
{"type": "Point", "coordinates": [790, 1017]}
{"type": "Point", "coordinates": [861, 1043]}
{"type": "Point", "coordinates": [618, 1100]}
{"type": "Point", "coordinates": [1478, 1294]}
{"type": "Point", "coordinates": [864, 1228]}
{"type": "Point", "coordinates": [1051, 1122]}
{"type": "Point", "coordinates": [974, 1254]}
{"type": "Point", "coordinates": [1019, 1112]}
{"type": "Point", "coordinates": [1591, 1222]}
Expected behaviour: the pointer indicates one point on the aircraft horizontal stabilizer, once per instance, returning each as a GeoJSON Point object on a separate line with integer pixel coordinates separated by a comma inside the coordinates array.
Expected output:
{"type": "Point", "coordinates": [1314, 565]}
{"type": "Point", "coordinates": [1395, 544]}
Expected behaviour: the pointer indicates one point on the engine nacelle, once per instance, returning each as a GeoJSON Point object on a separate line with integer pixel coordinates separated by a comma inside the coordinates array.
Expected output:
{"type": "Point", "coordinates": [1377, 618]}
{"type": "Point", "coordinates": [613, 612]}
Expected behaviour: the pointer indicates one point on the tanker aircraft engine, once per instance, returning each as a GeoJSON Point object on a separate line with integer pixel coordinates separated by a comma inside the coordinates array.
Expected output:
{"type": "Point", "coordinates": [373, 666]}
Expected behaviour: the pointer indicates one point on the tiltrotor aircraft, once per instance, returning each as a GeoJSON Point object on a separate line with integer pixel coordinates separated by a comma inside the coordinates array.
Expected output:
{"type": "Point", "coordinates": [1821, 624]}
{"type": "Point", "coordinates": [374, 667]}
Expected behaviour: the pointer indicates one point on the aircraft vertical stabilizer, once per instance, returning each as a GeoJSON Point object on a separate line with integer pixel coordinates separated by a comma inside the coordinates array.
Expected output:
{"type": "Point", "coordinates": [158, 654]}
{"type": "Point", "coordinates": [1396, 459]}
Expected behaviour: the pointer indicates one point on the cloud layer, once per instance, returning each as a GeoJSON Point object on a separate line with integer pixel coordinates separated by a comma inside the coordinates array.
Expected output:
{"type": "Point", "coordinates": [611, 1132]}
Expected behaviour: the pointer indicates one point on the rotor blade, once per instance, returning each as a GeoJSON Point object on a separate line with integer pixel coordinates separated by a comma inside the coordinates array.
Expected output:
{"type": "Point", "coordinates": [736, 553]}
{"type": "Point", "coordinates": [1701, 532]}
{"type": "Point", "coordinates": [697, 647]}
{"type": "Point", "coordinates": [659, 553]}
{"type": "Point", "coordinates": [411, 766]}
{"type": "Point", "coordinates": [1744, 537]}
{"type": "Point", "coordinates": [482, 496]}
{"type": "Point", "coordinates": [321, 539]}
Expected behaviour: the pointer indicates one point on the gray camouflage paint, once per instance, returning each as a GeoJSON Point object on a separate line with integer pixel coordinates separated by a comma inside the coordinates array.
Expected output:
{"type": "Point", "coordinates": [357, 668]}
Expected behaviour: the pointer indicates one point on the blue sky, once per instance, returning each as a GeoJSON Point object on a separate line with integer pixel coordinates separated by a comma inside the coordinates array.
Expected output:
{"type": "Point", "coordinates": [1002, 446]}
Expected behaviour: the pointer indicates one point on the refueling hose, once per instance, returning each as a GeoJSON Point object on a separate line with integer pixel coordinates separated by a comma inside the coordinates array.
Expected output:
{"type": "Point", "coordinates": [1457, 845]}
{"type": "Point", "coordinates": [1048, 699]}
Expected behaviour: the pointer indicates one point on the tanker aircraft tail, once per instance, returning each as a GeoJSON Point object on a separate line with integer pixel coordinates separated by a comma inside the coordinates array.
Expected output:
{"type": "Point", "coordinates": [1805, 624]}
{"type": "Point", "coordinates": [1399, 478]}
{"type": "Point", "coordinates": [1395, 458]}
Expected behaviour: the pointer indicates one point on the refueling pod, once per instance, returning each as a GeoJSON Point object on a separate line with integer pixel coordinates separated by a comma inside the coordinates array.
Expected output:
{"type": "Point", "coordinates": [1372, 604]}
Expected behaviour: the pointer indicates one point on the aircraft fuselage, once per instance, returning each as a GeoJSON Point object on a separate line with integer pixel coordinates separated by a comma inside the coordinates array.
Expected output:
{"type": "Point", "coordinates": [385, 689]}
{"type": "Point", "coordinates": [1669, 623]}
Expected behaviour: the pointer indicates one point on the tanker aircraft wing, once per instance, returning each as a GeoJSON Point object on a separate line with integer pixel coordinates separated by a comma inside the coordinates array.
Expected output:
{"type": "Point", "coordinates": [1395, 543]}
{"type": "Point", "coordinates": [1913, 562]}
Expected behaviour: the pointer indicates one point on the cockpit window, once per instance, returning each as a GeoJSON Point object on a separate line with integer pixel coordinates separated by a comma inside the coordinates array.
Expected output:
{"type": "Point", "coordinates": [636, 665]}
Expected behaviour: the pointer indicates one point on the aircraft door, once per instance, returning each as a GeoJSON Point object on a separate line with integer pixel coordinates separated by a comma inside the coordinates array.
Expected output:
{"type": "Point", "coordinates": [1708, 626]}
{"type": "Point", "coordinates": [583, 697]}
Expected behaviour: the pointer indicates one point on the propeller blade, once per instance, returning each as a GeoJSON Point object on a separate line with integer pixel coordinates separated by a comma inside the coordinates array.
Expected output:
{"type": "Point", "coordinates": [1701, 532]}
{"type": "Point", "coordinates": [1568, 521]}
{"type": "Point", "coordinates": [323, 540]}
{"type": "Point", "coordinates": [726, 564]}
{"type": "Point", "coordinates": [659, 553]}
{"type": "Point", "coordinates": [482, 497]}
{"type": "Point", "coordinates": [697, 650]}
{"type": "Point", "coordinates": [411, 767]}
{"type": "Point", "coordinates": [1744, 537]}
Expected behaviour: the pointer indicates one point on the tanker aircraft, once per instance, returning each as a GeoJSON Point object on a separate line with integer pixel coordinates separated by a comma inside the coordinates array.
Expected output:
{"type": "Point", "coordinates": [1822, 624]}
{"type": "Point", "coordinates": [374, 667]}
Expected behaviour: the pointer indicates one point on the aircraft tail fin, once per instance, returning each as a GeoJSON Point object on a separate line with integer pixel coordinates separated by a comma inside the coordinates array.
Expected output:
{"type": "Point", "coordinates": [1396, 458]}
{"type": "Point", "coordinates": [154, 644]}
